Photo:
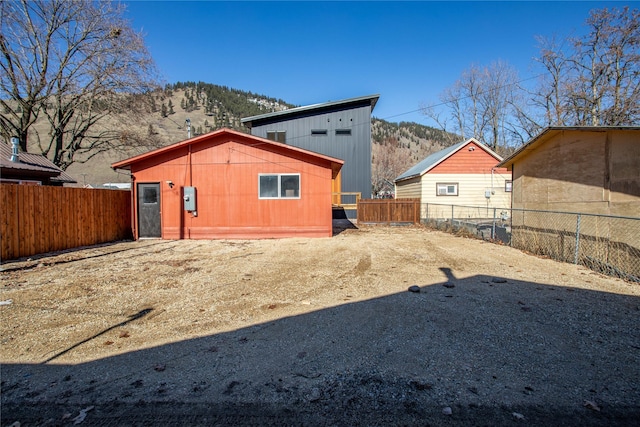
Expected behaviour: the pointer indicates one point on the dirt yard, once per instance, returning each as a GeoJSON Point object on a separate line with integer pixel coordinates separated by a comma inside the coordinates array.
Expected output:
{"type": "Point", "coordinates": [316, 332]}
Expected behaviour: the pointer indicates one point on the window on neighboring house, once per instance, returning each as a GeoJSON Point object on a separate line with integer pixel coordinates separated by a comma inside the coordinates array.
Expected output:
{"type": "Point", "coordinates": [508, 186]}
{"type": "Point", "coordinates": [343, 131]}
{"type": "Point", "coordinates": [21, 181]}
{"type": "Point", "coordinates": [318, 132]}
{"type": "Point", "coordinates": [447, 189]}
{"type": "Point", "coordinates": [279, 186]}
{"type": "Point", "coordinates": [277, 136]}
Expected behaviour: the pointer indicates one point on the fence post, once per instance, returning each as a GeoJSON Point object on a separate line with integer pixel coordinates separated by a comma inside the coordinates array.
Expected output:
{"type": "Point", "coordinates": [493, 226]}
{"type": "Point", "coordinates": [451, 215]}
{"type": "Point", "coordinates": [577, 254]}
{"type": "Point", "coordinates": [511, 225]}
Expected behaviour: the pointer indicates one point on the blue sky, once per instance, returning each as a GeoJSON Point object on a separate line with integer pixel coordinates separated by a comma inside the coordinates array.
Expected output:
{"type": "Point", "coordinates": [310, 52]}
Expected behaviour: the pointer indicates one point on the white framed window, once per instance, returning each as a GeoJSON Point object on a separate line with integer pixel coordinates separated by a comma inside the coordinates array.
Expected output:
{"type": "Point", "coordinates": [279, 186]}
{"type": "Point", "coordinates": [508, 186]}
{"type": "Point", "coordinates": [277, 136]}
{"type": "Point", "coordinates": [446, 189]}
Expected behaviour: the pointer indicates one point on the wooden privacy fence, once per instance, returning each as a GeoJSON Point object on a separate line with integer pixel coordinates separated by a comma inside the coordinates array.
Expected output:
{"type": "Point", "coordinates": [388, 211]}
{"type": "Point", "coordinates": [39, 219]}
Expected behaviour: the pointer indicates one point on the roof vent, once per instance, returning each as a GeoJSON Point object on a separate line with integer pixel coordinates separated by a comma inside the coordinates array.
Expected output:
{"type": "Point", "coordinates": [15, 145]}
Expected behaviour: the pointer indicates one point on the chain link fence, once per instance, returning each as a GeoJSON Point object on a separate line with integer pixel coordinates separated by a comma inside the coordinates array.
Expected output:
{"type": "Point", "coordinates": [604, 243]}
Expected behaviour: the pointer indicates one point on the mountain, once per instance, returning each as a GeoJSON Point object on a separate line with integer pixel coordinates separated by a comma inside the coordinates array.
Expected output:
{"type": "Point", "coordinates": [421, 140]}
{"type": "Point", "coordinates": [209, 107]}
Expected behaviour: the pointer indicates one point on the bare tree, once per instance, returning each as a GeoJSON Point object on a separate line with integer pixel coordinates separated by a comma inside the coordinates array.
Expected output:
{"type": "Point", "coordinates": [585, 81]}
{"type": "Point", "coordinates": [480, 102]}
{"type": "Point", "coordinates": [547, 101]}
{"type": "Point", "coordinates": [608, 65]}
{"type": "Point", "coordinates": [442, 119]}
{"type": "Point", "coordinates": [495, 101]}
{"type": "Point", "coordinates": [592, 80]}
{"type": "Point", "coordinates": [79, 66]}
{"type": "Point", "coordinates": [390, 159]}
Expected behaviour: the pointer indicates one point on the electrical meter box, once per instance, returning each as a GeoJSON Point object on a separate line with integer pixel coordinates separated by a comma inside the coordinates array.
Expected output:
{"type": "Point", "coordinates": [189, 196]}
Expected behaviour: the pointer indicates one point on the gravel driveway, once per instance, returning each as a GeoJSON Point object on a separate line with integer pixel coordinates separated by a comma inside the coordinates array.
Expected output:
{"type": "Point", "coordinates": [316, 332]}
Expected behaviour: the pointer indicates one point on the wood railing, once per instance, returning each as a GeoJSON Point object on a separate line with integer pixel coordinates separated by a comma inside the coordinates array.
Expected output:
{"type": "Point", "coordinates": [354, 198]}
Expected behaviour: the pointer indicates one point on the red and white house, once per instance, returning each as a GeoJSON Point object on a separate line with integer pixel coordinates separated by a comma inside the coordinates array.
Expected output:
{"type": "Point", "coordinates": [463, 174]}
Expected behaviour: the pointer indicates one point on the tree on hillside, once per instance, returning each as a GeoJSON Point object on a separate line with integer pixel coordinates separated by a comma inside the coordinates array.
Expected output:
{"type": "Point", "coordinates": [389, 161]}
{"type": "Point", "coordinates": [78, 66]}
{"type": "Point", "coordinates": [216, 98]}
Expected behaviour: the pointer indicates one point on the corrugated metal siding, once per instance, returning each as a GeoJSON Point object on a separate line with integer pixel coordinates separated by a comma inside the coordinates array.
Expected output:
{"type": "Point", "coordinates": [354, 149]}
{"type": "Point", "coordinates": [471, 190]}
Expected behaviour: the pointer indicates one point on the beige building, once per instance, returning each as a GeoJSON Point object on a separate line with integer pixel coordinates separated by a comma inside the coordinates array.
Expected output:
{"type": "Point", "coordinates": [578, 169]}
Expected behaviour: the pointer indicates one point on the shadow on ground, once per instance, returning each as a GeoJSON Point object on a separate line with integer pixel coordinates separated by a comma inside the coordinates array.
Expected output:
{"type": "Point", "coordinates": [556, 359]}
{"type": "Point", "coordinates": [342, 224]}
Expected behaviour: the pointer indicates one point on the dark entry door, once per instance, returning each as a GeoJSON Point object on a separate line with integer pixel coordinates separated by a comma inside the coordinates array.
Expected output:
{"type": "Point", "coordinates": [149, 210]}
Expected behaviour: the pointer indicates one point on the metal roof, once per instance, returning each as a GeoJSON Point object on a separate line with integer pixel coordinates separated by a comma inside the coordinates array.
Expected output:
{"type": "Point", "coordinates": [34, 163]}
{"type": "Point", "coordinates": [438, 157]}
{"type": "Point", "coordinates": [553, 130]}
{"type": "Point", "coordinates": [372, 99]}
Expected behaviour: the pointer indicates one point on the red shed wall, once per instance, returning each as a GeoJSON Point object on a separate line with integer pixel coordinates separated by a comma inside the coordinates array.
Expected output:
{"type": "Point", "coordinates": [464, 161]}
{"type": "Point", "coordinates": [225, 175]}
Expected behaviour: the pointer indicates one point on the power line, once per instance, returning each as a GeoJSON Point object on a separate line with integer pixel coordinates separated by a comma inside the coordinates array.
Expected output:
{"type": "Point", "coordinates": [460, 98]}
{"type": "Point", "coordinates": [432, 105]}
{"type": "Point", "coordinates": [386, 118]}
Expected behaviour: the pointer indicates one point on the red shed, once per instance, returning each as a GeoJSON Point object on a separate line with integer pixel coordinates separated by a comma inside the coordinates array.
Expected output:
{"type": "Point", "coordinates": [227, 184]}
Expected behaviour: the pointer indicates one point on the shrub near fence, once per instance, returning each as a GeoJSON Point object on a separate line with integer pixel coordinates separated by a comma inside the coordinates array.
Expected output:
{"type": "Point", "coordinates": [39, 219]}
{"type": "Point", "coordinates": [607, 244]}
